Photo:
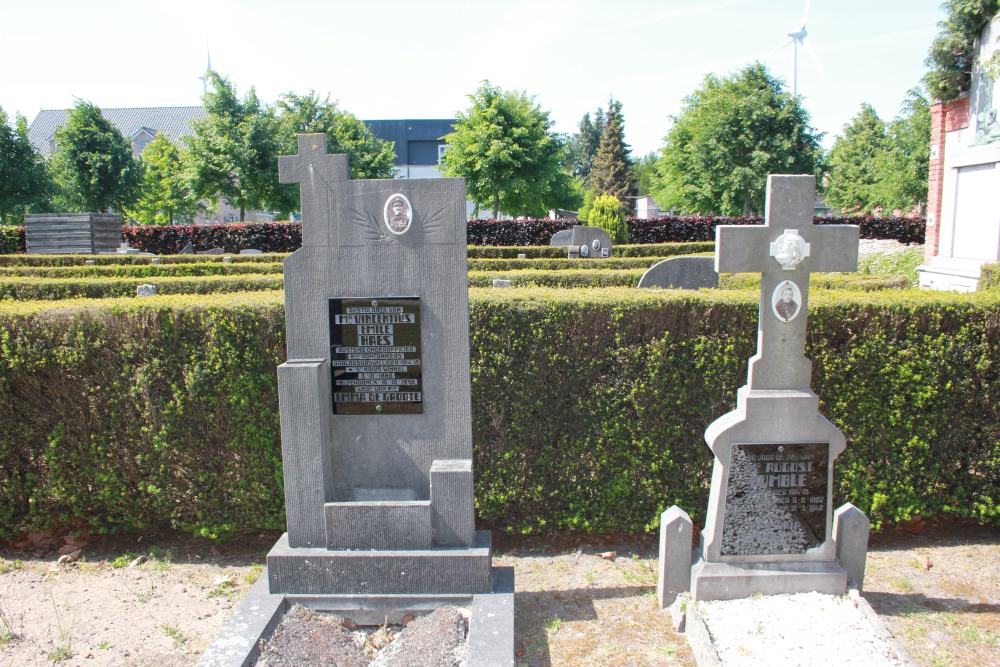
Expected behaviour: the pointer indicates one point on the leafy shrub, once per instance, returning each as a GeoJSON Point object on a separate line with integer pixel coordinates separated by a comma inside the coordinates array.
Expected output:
{"type": "Point", "coordinates": [514, 232]}
{"type": "Point", "coordinates": [28, 289]}
{"type": "Point", "coordinates": [589, 406]}
{"type": "Point", "coordinates": [663, 230]}
{"type": "Point", "coordinates": [608, 214]}
{"type": "Point", "coordinates": [989, 278]}
{"type": "Point", "coordinates": [268, 237]}
{"type": "Point", "coordinates": [142, 270]}
{"type": "Point", "coordinates": [11, 239]}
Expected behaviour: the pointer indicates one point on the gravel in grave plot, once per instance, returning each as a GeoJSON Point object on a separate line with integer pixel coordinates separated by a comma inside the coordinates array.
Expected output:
{"type": "Point", "coordinates": [307, 637]}
{"type": "Point", "coordinates": [800, 630]}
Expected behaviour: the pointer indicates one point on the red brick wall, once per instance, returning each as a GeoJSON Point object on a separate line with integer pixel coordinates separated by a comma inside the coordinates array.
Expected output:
{"type": "Point", "coordinates": [945, 117]}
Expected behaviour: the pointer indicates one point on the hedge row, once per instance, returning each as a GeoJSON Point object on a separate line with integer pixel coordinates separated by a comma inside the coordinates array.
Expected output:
{"type": "Point", "coordinates": [141, 270]}
{"type": "Point", "coordinates": [589, 406]}
{"type": "Point", "coordinates": [20, 288]}
{"type": "Point", "coordinates": [596, 277]}
{"type": "Point", "coordinates": [569, 278]}
{"type": "Point", "coordinates": [660, 250]}
{"type": "Point", "coordinates": [563, 264]}
{"type": "Point", "coordinates": [55, 289]}
{"type": "Point", "coordinates": [287, 237]}
{"type": "Point", "coordinates": [114, 259]}
{"type": "Point", "coordinates": [267, 237]}
{"type": "Point", "coordinates": [662, 230]}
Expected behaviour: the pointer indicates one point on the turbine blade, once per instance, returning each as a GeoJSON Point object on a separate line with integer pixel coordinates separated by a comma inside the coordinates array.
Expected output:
{"type": "Point", "coordinates": [807, 43]}
{"type": "Point", "coordinates": [781, 48]}
{"type": "Point", "coordinates": [805, 14]}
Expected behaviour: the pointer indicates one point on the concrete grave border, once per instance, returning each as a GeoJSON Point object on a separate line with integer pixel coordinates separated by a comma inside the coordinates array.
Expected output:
{"type": "Point", "coordinates": [490, 641]}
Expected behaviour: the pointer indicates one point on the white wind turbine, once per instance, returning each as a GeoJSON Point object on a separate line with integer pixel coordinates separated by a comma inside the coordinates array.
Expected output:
{"type": "Point", "coordinates": [798, 38]}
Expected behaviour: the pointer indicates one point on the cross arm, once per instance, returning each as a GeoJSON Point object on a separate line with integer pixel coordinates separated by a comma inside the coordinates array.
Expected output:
{"type": "Point", "coordinates": [834, 247]}
{"type": "Point", "coordinates": [740, 249]}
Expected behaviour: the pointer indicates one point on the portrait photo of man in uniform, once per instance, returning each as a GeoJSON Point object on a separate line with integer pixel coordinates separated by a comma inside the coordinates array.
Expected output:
{"type": "Point", "coordinates": [398, 214]}
{"type": "Point", "coordinates": [786, 300]}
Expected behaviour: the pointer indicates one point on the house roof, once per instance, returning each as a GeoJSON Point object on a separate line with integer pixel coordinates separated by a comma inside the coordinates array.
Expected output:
{"type": "Point", "coordinates": [173, 121]}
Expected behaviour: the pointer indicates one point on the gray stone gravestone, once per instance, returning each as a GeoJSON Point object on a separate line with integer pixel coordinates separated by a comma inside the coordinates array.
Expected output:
{"type": "Point", "coordinates": [564, 237]}
{"type": "Point", "coordinates": [589, 243]}
{"type": "Point", "coordinates": [769, 521]}
{"type": "Point", "coordinates": [375, 406]}
{"type": "Point", "coordinates": [681, 272]}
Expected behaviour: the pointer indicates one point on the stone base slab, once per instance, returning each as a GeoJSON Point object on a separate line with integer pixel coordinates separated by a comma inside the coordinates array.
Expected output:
{"type": "Point", "coordinates": [490, 642]}
{"type": "Point", "coordinates": [379, 525]}
{"type": "Point", "coordinates": [730, 581]}
{"type": "Point", "coordinates": [443, 571]}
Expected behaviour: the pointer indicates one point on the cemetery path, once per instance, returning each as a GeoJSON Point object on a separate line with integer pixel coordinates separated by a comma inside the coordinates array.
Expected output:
{"type": "Point", "coordinates": [579, 600]}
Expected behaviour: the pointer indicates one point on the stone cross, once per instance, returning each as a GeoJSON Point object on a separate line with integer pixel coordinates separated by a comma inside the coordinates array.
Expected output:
{"type": "Point", "coordinates": [315, 172]}
{"type": "Point", "coordinates": [785, 250]}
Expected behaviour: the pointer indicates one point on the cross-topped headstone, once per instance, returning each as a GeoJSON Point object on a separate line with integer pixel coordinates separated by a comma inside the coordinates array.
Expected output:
{"type": "Point", "coordinates": [768, 525]}
{"type": "Point", "coordinates": [785, 251]}
{"type": "Point", "coordinates": [375, 397]}
{"type": "Point", "coordinates": [316, 173]}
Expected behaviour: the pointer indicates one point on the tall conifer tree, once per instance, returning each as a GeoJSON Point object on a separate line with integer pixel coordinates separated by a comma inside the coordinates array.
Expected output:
{"type": "Point", "coordinates": [612, 173]}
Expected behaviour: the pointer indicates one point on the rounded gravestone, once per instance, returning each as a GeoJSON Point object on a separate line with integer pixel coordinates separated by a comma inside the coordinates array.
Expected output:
{"type": "Point", "coordinates": [682, 272]}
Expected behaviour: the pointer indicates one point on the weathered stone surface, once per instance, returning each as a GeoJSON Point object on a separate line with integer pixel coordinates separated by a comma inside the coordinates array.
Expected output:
{"type": "Point", "coordinates": [682, 273]}
{"type": "Point", "coordinates": [145, 290]}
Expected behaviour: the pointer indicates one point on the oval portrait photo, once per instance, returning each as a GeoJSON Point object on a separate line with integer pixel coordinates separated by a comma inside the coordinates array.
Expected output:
{"type": "Point", "coordinates": [398, 213]}
{"type": "Point", "coordinates": [786, 301]}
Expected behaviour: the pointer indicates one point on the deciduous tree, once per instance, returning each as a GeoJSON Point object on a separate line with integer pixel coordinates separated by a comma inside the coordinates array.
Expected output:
{"type": "Point", "coordinates": [234, 149]}
{"type": "Point", "coordinates": [93, 166]}
{"type": "Point", "coordinates": [24, 181]}
{"type": "Point", "coordinates": [504, 149]}
{"type": "Point", "coordinates": [167, 191]}
{"type": "Point", "coordinates": [731, 133]}
{"type": "Point", "coordinates": [368, 156]}
{"type": "Point", "coordinates": [855, 162]}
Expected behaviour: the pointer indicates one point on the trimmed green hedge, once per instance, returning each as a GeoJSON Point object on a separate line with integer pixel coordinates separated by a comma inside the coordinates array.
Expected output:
{"type": "Point", "coordinates": [130, 260]}
{"type": "Point", "coordinates": [661, 250]}
{"type": "Point", "coordinates": [54, 289]}
{"type": "Point", "coordinates": [562, 279]}
{"type": "Point", "coordinates": [846, 281]}
{"type": "Point", "coordinates": [589, 406]}
{"type": "Point", "coordinates": [140, 270]}
{"type": "Point", "coordinates": [562, 264]}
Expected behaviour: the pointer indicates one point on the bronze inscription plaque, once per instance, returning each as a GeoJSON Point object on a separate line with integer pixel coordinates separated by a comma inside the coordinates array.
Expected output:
{"type": "Point", "coordinates": [375, 356]}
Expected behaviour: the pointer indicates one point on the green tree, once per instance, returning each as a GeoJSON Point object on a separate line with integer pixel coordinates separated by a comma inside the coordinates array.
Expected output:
{"type": "Point", "coordinates": [612, 171]}
{"type": "Point", "coordinates": [583, 145]}
{"type": "Point", "coordinates": [855, 162]}
{"type": "Point", "coordinates": [93, 166]}
{"type": "Point", "coordinates": [24, 182]}
{"type": "Point", "coordinates": [644, 170]}
{"type": "Point", "coordinates": [904, 166]}
{"type": "Point", "coordinates": [368, 156]}
{"type": "Point", "coordinates": [503, 147]}
{"type": "Point", "coordinates": [731, 133]}
{"type": "Point", "coordinates": [951, 55]}
{"type": "Point", "coordinates": [234, 149]}
{"type": "Point", "coordinates": [167, 191]}
{"type": "Point", "coordinates": [608, 213]}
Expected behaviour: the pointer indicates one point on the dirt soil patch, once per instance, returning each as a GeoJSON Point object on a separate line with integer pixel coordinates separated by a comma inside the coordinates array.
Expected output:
{"type": "Point", "coordinates": [161, 599]}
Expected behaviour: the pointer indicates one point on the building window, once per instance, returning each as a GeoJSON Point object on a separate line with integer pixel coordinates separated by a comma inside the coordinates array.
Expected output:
{"type": "Point", "coordinates": [442, 149]}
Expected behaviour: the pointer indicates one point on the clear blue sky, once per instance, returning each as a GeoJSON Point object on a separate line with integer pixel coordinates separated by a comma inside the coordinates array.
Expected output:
{"type": "Point", "coordinates": [393, 59]}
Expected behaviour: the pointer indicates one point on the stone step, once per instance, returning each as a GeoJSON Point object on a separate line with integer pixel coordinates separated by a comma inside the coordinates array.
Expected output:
{"type": "Point", "coordinates": [310, 571]}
